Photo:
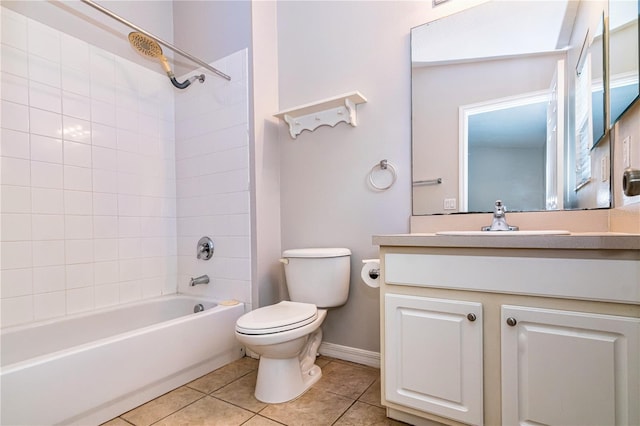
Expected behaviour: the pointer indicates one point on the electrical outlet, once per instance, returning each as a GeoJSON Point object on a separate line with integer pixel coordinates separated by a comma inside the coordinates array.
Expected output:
{"type": "Point", "coordinates": [626, 152]}
{"type": "Point", "coordinates": [450, 204]}
{"type": "Point", "coordinates": [604, 168]}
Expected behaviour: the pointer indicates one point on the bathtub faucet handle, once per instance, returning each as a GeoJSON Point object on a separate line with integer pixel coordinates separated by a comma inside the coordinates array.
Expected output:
{"type": "Point", "coordinates": [203, 279]}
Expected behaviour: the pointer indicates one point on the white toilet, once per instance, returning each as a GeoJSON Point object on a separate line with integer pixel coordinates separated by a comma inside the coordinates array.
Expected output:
{"type": "Point", "coordinates": [287, 335]}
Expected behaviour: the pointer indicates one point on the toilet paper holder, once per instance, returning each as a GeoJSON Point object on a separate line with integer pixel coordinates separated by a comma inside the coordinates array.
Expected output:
{"type": "Point", "coordinates": [373, 273]}
{"type": "Point", "coordinates": [631, 182]}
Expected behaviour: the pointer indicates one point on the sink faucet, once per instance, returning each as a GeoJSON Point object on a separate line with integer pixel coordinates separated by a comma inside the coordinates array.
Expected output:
{"type": "Point", "coordinates": [499, 222]}
{"type": "Point", "coordinates": [203, 279]}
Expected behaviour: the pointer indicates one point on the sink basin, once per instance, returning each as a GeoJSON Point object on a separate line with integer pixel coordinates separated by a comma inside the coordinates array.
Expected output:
{"type": "Point", "coordinates": [505, 233]}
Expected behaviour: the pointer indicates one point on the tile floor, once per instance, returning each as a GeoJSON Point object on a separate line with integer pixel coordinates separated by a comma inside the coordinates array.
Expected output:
{"type": "Point", "coordinates": [347, 394]}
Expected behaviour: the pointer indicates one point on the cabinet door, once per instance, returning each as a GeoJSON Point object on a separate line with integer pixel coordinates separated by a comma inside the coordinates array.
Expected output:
{"type": "Point", "coordinates": [433, 356]}
{"type": "Point", "coordinates": [569, 368]}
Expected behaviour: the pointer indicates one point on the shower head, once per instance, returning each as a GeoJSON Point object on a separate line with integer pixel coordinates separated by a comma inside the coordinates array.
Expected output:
{"type": "Point", "coordinates": [150, 48]}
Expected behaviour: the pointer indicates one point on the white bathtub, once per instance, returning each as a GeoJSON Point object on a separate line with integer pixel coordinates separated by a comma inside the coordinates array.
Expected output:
{"type": "Point", "coordinates": [89, 368]}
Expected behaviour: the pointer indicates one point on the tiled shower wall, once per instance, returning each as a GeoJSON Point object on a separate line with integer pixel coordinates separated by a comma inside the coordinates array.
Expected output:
{"type": "Point", "coordinates": [212, 171]}
{"type": "Point", "coordinates": [88, 177]}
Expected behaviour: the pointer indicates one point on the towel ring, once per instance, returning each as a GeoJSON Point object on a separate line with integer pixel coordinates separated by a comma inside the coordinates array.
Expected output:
{"type": "Point", "coordinates": [383, 165]}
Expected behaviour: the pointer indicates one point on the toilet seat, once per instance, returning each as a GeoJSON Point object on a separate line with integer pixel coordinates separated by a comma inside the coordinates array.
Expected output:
{"type": "Point", "coordinates": [277, 318]}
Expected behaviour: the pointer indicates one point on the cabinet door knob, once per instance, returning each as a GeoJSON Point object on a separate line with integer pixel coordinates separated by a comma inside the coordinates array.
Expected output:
{"type": "Point", "coordinates": [511, 321]}
{"type": "Point", "coordinates": [471, 317]}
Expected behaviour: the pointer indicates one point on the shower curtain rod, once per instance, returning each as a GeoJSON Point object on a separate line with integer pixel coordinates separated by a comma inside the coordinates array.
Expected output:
{"type": "Point", "coordinates": [159, 40]}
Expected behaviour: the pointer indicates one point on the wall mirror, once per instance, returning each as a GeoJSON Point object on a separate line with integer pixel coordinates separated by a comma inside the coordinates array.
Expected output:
{"type": "Point", "coordinates": [493, 113]}
{"type": "Point", "coordinates": [624, 87]}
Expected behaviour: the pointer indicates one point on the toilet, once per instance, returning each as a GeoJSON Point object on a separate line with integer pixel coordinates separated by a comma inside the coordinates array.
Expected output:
{"type": "Point", "coordinates": [287, 335]}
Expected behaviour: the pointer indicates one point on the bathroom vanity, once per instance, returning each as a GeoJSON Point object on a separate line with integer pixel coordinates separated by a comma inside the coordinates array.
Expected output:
{"type": "Point", "coordinates": [505, 330]}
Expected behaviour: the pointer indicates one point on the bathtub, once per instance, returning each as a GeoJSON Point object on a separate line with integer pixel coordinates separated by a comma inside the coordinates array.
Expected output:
{"type": "Point", "coordinates": [89, 368]}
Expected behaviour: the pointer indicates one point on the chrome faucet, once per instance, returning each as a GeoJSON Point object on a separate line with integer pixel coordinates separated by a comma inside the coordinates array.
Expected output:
{"type": "Point", "coordinates": [499, 222]}
{"type": "Point", "coordinates": [203, 279]}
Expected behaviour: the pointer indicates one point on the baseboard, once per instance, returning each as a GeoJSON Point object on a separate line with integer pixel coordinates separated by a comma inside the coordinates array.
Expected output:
{"type": "Point", "coordinates": [346, 353]}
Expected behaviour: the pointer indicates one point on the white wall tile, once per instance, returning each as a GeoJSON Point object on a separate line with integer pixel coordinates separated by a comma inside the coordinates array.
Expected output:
{"type": "Point", "coordinates": [16, 310]}
{"type": "Point", "coordinates": [79, 300]}
{"type": "Point", "coordinates": [151, 287]}
{"type": "Point", "coordinates": [129, 269]}
{"type": "Point", "coordinates": [45, 123]}
{"type": "Point", "coordinates": [104, 113]}
{"type": "Point", "coordinates": [46, 175]}
{"type": "Point", "coordinates": [16, 282]}
{"type": "Point", "coordinates": [14, 116]}
{"type": "Point", "coordinates": [49, 201]}
{"type": "Point", "coordinates": [105, 249]}
{"type": "Point", "coordinates": [47, 226]}
{"type": "Point", "coordinates": [104, 158]}
{"type": "Point", "coordinates": [129, 248]}
{"type": "Point", "coordinates": [14, 88]}
{"type": "Point", "coordinates": [15, 254]}
{"type": "Point", "coordinates": [43, 41]}
{"type": "Point", "coordinates": [107, 295]}
{"type": "Point", "coordinates": [49, 305]}
{"type": "Point", "coordinates": [105, 204]}
{"type": "Point", "coordinates": [48, 279]}
{"type": "Point", "coordinates": [78, 251]}
{"type": "Point", "coordinates": [78, 227]}
{"type": "Point", "coordinates": [78, 202]}
{"type": "Point", "coordinates": [48, 253]}
{"type": "Point", "coordinates": [14, 29]}
{"type": "Point", "coordinates": [76, 129]}
{"type": "Point", "coordinates": [129, 227]}
{"type": "Point", "coordinates": [77, 178]}
{"type": "Point", "coordinates": [46, 149]}
{"type": "Point", "coordinates": [45, 97]}
{"type": "Point", "coordinates": [79, 275]}
{"type": "Point", "coordinates": [77, 154]}
{"type": "Point", "coordinates": [15, 199]}
{"type": "Point", "coordinates": [14, 61]}
{"type": "Point", "coordinates": [14, 144]}
{"type": "Point", "coordinates": [105, 181]}
{"type": "Point", "coordinates": [127, 140]}
{"type": "Point", "coordinates": [105, 226]}
{"type": "Point", "coordinates": [15, 171]}
{"type": "Point", "coordinates": [130, 291]}
{"type": "Point", "coordinates": [105, 272]}
{"type": "Point", "coordinates": [44, 71]}
{"type": "Point", "coordinates": [128, 205]}
{"type": "Point", "coordinates": [76, 81]}
{"type": "Point", "coordinates": [74, 53]}
{"type": "Point", "coordinates": [76, 105]}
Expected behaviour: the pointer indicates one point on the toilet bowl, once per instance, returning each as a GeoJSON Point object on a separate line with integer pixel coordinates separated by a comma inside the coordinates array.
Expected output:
{"type": "Point", "coordinates": [287, 335]}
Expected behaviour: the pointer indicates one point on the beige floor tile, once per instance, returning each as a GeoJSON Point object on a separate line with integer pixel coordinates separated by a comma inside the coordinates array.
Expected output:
{"type": "Point", "coordinates": [241, 393]}
{"type": "Point", "coordinates": [224, 375]}
{"type": "Point", "coordinates": [258, 420]}
{"type": "Point", "coordinates": [207, 411]}
{"type": "Point", "coordinates": [116, 422]}
{"type": "Point", "coordinates": [313, 408]}
{"type": "Point", "coordinates": [361, 414]}
{"type": "Point", "coordinates": [162, 406]}
{"type": "Point", "coordinates": [372, 395]}
{"type": "Point", "coordinates": [347, 379]}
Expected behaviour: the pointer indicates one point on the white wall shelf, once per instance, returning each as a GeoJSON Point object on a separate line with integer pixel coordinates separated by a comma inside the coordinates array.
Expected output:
{"type": "Point", "coordinates": [327, 112]}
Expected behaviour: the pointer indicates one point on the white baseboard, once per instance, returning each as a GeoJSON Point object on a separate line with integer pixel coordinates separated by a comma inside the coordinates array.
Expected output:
{"type": "Point", "coordinates": [346, 353]}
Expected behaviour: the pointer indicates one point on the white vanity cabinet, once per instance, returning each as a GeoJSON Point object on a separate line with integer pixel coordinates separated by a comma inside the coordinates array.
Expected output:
{"type": "Point", "coordinates": [563, 367]}
{"type": "Point", "coordinates": [445, 381]}
{"type": "Point", "coordinates": [555, 341]}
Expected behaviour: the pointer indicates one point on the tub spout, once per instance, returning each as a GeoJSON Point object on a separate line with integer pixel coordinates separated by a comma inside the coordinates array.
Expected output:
{"type": "Point", "coordinates": [203, 279]}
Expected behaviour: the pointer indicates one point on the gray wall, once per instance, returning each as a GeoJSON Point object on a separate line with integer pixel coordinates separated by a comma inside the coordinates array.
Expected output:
{"type": "Point", "coordinates": [326, 49]}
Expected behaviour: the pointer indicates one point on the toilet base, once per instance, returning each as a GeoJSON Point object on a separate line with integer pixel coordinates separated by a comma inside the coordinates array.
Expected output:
{"type": "Point", "coordinates": [280, 380]}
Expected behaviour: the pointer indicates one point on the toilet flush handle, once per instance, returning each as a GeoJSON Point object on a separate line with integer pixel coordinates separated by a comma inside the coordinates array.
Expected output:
{"type": "Point", "coordinates": [284, 260]}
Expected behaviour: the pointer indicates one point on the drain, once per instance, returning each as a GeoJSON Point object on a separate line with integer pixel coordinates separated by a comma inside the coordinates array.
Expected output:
{"type": "Point", "coordinates": [198, 308]}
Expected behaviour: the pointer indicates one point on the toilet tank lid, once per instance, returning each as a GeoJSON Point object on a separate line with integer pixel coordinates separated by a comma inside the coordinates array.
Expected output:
{"type": "Point", "coordinates": [317, 252]}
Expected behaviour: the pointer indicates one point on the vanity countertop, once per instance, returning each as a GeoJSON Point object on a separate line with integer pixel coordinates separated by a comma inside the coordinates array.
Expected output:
{"type": "Point", "coordinates": [575, 241]}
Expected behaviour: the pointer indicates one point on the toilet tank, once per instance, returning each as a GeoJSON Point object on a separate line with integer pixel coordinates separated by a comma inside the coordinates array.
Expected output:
{"type": "Point", "coordinates": [318, 275]}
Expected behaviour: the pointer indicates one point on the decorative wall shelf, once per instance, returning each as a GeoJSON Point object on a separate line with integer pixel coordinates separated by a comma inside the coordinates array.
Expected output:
{"type": "Point", "coordinates": [327, 112]}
